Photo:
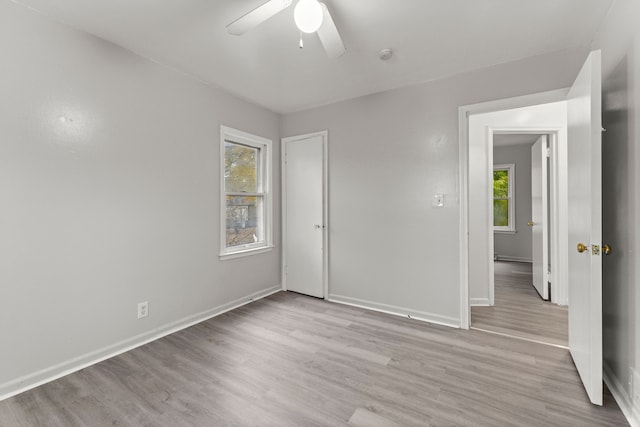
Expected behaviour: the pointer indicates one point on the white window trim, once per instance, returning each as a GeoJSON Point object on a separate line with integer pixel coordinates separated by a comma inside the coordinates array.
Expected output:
{"type": "Point", "coordinates": [266, 166]}
{"type": "Point", "coordinates": [511, 228]}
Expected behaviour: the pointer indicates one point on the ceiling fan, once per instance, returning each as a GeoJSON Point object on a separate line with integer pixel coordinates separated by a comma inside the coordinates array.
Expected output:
{"type": "Point", "coordinates": [310, 16]}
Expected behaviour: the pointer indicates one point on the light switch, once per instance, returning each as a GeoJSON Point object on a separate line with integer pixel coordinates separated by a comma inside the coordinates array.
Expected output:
{"type": "Point", "coordinates": [438, 201]}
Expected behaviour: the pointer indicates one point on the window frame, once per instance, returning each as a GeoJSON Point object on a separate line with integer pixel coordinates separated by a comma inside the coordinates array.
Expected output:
{"type": "Point", "coordinates": [511, 198]}
{"type": "Point", "coordinates": [264, 184]}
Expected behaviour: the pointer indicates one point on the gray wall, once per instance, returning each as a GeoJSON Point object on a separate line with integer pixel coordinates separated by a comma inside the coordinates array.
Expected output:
{"type": "Point", "coordinates": [117, 206]}
{"type": "Point", "coordinates": [389, 153]}
{"type": "Point", "coordinates": [619, 39]}
{"type": "Point", "coordinates": [516, 246]}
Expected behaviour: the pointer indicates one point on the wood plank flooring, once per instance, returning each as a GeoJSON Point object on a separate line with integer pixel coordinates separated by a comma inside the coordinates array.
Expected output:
{"type": "Point", "coordinates": [291, 360]}
{"type": "Point", "coordinates": [519, 310]}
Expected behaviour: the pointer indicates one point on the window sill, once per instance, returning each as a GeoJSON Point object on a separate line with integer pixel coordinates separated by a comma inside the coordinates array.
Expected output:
{"type": "Point", "coordinates": [246, 252]}
{"type": "Point", "coordinates": [505, 231]}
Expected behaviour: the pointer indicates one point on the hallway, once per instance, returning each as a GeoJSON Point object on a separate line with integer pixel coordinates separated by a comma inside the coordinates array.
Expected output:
{"type": "Point", "coordinates": [519, 311]}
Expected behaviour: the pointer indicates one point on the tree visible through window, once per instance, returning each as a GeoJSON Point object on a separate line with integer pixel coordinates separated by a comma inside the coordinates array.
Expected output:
{"type": "Point", "coordinates": [503, 209]}
{"type": "Point", "coordinates": [240, 179]}
{"type": "Point", "coordinates": [245, 195]}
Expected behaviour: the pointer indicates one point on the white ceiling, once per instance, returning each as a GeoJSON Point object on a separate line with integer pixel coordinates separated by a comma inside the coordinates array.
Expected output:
{"type": "Point", "coordinates": [431, 39]}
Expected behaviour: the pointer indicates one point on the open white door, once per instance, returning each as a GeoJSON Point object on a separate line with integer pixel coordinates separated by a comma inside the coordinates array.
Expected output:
{"type": "Point", "coordinates": [539, 222]}
{"type": "Point", "coordinates": [304, 214]}
{"type": "Point", "coordinates": [584, 123]}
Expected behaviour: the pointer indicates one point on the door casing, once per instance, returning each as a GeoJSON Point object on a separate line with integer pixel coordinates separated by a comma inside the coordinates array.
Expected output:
{"type": "Point", "coordinates": [559, 288]}
{"type": "Point", "coordinates": [464, 112]}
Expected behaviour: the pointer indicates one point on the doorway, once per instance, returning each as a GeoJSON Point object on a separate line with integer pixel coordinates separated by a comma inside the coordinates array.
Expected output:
{"type": "Point", "coordinates": [535, 114]}
{"type": "Point", "coordinates": [305, 214]}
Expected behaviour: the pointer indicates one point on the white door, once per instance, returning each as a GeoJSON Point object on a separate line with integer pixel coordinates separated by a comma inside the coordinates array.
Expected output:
{"type": "Point", "coordinates": [303, 212]}
{"type": "Point", "coordinates": [539, 223]}
{"type": "Point", "coordinates": [584, 124]}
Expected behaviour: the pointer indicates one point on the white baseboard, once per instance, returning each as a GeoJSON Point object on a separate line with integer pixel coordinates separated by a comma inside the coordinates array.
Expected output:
{"type": "Point", "coordinates": [512, 258]}
{"type": "Point", "coordinates": [630, 411]}
{"type": "Point", "coordinates": [24, 383]}
{"type": "Point", "coordinates": [484, 302]}
{"type": "Point", "coordinates": [397, 311]}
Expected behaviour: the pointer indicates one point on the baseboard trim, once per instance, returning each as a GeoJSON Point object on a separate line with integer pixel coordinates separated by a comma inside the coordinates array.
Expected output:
{"type": "Point", "coordinates": [27, 382]}
{"type": "Point", "coordinates": [630, 411]}
{"type": "Point", "coordinates": [482, 302]}
{"type": "Point", "coordinates": [397, 311]}
{"type": "Point", "coordinates": [512, 259]}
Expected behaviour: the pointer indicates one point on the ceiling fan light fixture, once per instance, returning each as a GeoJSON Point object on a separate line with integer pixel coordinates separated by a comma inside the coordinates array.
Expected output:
{"type": "Point", "coordinates": [308, 15]}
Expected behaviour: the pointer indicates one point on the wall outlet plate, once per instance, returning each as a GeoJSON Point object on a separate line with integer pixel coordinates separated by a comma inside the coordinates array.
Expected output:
{"type": "Point", "coordinates": [143, 309]}
{"type": "Point", "coordinates": [438, 201]}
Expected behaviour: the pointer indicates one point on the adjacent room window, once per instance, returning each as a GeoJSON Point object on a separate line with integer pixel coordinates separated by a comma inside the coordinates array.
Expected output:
{"type": "Point", "coordinates": [246, 215]}
{"type": "Point", "coordinates": [503, 198]}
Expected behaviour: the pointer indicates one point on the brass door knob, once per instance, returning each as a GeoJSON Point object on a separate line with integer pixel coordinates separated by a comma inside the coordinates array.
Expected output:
{"type": "Point", "coordinates": [606, 249]}
{"type": "Point", "coordinates": [531, 223]}
{"type": "Point", "coordinates": [582, 248]}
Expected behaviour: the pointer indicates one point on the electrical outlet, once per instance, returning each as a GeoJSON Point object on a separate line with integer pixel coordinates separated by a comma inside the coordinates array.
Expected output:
{"type": "Point", "coordinates": [438, 201]}
{"type": "Point", "coordinates": [143, 309]}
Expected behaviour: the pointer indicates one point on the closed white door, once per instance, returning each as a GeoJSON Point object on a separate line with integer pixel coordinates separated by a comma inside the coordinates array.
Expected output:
{"type": "Point", "coordinates": [304, 214]}
{"type": "Point", "coordinates": [539, 221]}
{"type": "Point", "coordinates": [584, 124]}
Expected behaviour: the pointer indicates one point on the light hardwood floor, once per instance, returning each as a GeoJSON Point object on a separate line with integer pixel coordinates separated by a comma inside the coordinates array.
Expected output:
{"type": "Point", "coordinates": [291, 360]}
{"type": "Point", "coordinates": [519, 310]}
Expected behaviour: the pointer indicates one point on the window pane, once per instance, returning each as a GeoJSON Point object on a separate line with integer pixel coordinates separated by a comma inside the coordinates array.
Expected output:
{"type": "Point", "coordinates": [240, 168]}
{"type": "Point", "coordinates": [501, 213]}
{"type": "Point", "coordinates": [501, 183]}
{"type": "Point", "coordinates": [244, 217]}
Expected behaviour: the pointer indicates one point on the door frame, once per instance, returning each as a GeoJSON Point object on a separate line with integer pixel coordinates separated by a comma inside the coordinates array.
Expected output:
{"type": "Point", "coordinates": [554, 214]}
{"type": "Point", "coordinates": [464, 112]}
{"type": "Point", "coordinates": [325, 205]}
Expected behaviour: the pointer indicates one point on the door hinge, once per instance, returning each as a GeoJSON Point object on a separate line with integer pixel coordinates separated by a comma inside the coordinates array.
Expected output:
{"type": "Point", "coordinates": [548, 152]}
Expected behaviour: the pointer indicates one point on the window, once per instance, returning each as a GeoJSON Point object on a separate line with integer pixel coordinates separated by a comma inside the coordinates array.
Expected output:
{"type": "Point", "coordinates": [246, 217]}
{"type": "Point", "coordinates": [503, 200]}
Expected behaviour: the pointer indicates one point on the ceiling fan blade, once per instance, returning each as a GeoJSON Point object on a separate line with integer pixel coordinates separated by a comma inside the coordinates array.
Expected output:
{"type": "Point", "coordinates": [329, 35]}
{"type": "Point", "coordinates": [257, 16]}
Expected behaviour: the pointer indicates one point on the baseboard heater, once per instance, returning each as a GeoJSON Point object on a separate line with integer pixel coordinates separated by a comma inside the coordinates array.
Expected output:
{"type": "Point", "coordinates": [497, 257]}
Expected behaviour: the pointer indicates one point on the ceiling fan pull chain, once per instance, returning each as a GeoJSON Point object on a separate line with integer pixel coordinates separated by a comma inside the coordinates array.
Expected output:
{"type": "Point", "coordinates": [301, 42]}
